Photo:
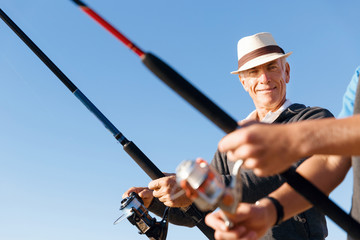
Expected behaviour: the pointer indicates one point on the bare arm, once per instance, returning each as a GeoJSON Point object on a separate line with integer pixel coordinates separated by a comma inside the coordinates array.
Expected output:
{"type": "Point", "coordinates": [330, 136]}
{"type": "Point", "coordinates": [269, 149]}
{"type": "Point", "coordinates": [325, 172]}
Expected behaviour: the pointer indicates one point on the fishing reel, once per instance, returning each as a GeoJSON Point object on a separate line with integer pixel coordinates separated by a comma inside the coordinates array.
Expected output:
{"type": "Point", "coordinates": [134, 210]}
{"type": "Point", "coordinates": [208, 189]}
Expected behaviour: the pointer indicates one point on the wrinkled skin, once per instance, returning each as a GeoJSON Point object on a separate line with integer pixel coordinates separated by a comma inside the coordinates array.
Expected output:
{"type": "Point", "coordinates": [266, 85]}
{"type": "Point", "coordinates": [164, 189]}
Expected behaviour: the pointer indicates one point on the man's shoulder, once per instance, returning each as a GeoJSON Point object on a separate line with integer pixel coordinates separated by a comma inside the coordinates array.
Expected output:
{"type": "Point", "coordinates": [298, 112]}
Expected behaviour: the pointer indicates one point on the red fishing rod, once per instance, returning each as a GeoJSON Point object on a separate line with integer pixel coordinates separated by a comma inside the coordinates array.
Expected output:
{"type": "Point", "coordinates": [169, 76]}
{"type": "Point", "coordinates": [130, 148]}
{"type": "Point", "coordinates": [214, 113]}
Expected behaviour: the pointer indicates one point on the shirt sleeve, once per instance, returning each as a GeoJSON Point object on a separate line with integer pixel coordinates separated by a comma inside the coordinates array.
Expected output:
{"type": "Point", "coordinates": [176, 216]}
{"type": "Point", "coordinates": [349, 96]}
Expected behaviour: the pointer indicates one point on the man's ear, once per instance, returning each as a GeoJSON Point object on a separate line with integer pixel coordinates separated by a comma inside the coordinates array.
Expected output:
{"type": "Point", "coordinates": [242, 80]}
{"type": "Point", "coordinates": [287, 72]}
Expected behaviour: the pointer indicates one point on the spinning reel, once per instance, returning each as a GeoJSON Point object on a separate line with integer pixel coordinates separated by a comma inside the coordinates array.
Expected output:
{"type": "Point", "coordinates": [209, 189]}
{"type": "Point", "coordinates": [134, 210]}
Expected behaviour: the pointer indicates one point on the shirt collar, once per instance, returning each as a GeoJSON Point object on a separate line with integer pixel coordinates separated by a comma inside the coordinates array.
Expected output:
{"type": "Point", "coordinates": [270, 117]}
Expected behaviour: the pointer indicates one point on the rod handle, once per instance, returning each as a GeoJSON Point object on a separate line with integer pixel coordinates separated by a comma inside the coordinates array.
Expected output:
{"type": "Point", "coordinates": [143, 161]}
{"type": "Point", "coordinates": [192, 95]}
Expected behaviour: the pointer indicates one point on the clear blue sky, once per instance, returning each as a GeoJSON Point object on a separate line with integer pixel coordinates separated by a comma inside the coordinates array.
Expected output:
{"type": "Point", "coordinates": [62, 173]}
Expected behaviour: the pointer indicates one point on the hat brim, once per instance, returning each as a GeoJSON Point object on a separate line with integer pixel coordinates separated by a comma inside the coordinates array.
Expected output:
{"type": "Point", "coordinates": [260, 60]}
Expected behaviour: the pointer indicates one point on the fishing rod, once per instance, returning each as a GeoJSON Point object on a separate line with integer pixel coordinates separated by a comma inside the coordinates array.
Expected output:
{"type": "Point", "coordinates": [220, 118]}
{"type": "Point", "coordinates": [130, 148]}
{"type": "Point", "coordinates": [170, 77]}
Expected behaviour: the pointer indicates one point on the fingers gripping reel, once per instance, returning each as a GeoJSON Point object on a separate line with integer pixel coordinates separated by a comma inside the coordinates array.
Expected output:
{"type": "Point", "coordinates": [133, 209]}
{"type": "Point", "coordinates": [209, 189]}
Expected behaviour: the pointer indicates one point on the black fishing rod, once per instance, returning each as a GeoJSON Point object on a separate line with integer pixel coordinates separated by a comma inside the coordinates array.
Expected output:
{"type": "Point", "coordinates": [135, 153]}
{"type": "Point", "coordinates": [220, 118]}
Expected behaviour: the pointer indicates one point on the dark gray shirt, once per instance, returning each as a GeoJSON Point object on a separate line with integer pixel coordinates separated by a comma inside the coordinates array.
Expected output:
{"type": "Point", "coordinates": [310, 224]}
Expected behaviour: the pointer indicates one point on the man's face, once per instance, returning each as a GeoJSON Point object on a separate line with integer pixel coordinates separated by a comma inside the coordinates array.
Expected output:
{"type": "Point", "coordinates": [266, 84]}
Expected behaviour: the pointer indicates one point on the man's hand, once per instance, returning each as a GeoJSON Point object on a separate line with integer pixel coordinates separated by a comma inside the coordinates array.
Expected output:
{"type": "Point", "coordinates": [164, 188]}
{"type": "Point", "coordinates": [250, 221]}
{"type": "Point", "coordinates": [265, 148]}
{"type": "Point", "coordinates": [145, 194]}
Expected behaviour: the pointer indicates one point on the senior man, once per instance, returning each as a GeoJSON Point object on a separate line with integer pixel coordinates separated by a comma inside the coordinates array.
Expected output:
{"type": "Point", "coordinates": [262, 152]}
{"type": "Point", "coordinates": [263, 72]}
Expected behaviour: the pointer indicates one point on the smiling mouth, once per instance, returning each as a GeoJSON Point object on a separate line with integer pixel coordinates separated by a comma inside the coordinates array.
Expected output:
{"type": "Point", "coordinates": [266, 89]}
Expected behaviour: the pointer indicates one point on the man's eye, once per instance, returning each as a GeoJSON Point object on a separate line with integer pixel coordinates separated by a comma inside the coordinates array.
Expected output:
{"type": "Point", "coordinates": [274, 67]}
{"type": "Point", "coordinates": [252, 73]}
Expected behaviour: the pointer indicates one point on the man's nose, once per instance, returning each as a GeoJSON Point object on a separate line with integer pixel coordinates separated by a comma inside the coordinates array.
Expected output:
{"type": "Point", "coordinates": [264, 77]}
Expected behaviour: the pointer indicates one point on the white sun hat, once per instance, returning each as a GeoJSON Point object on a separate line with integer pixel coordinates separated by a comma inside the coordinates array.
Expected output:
{"type": "Point", "coordinates": [256, 50]}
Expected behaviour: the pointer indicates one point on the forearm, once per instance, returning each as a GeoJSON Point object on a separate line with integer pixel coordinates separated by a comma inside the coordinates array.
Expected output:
{"type": "Point", "coordinates": [326, 136]}
{"type": "Point", "coordinates": [325, 172]}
